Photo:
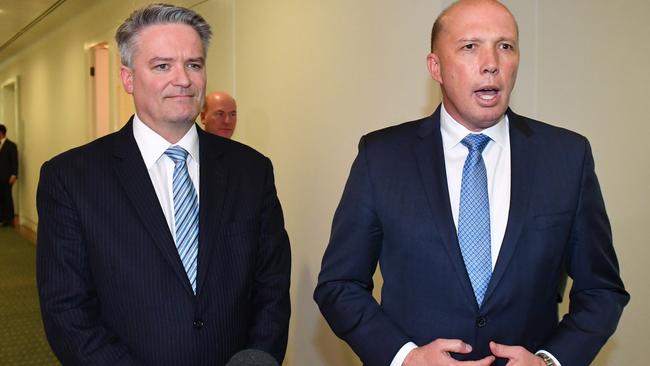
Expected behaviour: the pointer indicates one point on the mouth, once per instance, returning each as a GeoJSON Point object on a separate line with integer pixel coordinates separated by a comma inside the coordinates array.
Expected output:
{"type": "Point", "coordinates": [488, 95]}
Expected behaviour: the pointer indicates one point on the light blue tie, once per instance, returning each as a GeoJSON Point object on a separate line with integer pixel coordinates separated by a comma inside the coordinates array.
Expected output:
{"type": "Point", "coordinates": [186, 213]}
{"type": "Point", "coordinates": [474, 216]}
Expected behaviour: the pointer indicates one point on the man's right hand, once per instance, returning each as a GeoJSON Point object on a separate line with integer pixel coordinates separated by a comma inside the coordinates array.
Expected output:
{"type": "Point", "coordinates": [437, 352]}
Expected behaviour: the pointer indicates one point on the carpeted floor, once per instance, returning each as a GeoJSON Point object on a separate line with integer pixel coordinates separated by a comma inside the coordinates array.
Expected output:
{"type": "Point", "coordinates": [22, 341]}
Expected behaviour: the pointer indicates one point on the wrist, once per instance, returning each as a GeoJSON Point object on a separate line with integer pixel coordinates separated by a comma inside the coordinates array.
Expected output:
{"type": "Point", "coordinates": [407, 359]}
{"type": "Point", "coordinates": [546, 360]}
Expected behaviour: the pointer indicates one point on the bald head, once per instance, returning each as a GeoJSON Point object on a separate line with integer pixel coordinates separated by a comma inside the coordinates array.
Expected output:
{"type": "Point", "coordinates": [475, 59]}
{"type": "Point", "coordinates": [219, 115]}
{"type": "Point", "coordinates": [458, 7]}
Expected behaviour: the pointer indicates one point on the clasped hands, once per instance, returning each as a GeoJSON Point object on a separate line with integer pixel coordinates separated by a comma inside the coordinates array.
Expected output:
{"type": "Point", "coordinates": [437, 353]}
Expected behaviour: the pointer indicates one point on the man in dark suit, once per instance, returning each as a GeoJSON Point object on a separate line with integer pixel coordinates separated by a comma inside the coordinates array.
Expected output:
{"type": "Point", "coordinates": [475, 216]}
{"type": "Point", "coordinates": [161, 244]}
{"type": "Point", "coordinates": [8, 176]}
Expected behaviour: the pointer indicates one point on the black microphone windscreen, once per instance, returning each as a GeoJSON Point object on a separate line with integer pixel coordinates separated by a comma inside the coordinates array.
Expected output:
{"type": "Point", "coordinates": [252, 357]}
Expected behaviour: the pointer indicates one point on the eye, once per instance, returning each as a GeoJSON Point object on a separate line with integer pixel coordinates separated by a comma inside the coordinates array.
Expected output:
{"type": "Point", "coordinates": [507, 46]}
{"type": "Point", "coordinates": [161, 67]}
{"type": "Point", "coordinates": [195, 66]}
{"type": "Point", "coordinates": [469, 46]}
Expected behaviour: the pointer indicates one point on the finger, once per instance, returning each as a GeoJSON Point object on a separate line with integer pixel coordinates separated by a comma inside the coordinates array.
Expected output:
{"type": "Point", "coordinates": [501, 350]}
{"type": "Point", "coordinates": [487, 361]}
{"type": "Point", "coordinates": [454, 345]}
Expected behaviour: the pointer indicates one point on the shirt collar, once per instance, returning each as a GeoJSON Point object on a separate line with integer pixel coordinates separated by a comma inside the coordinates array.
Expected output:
{"type": "Point", "coordinates": [453, 132]}
{"type": "Point", "coordinates": [152, 146]}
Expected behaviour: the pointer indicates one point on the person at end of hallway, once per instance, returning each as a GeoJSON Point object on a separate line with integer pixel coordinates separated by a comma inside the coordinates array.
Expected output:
{"type": "Point", "coordinates": [219, 114]}
{"type": "Point", "coordinates": [8, 177]}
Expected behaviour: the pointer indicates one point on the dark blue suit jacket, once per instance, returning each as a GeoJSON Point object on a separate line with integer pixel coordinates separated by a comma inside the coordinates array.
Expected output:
{"type": "Point", "coordinates": [8, 161]}
{"type": "Point", "coordinates": [395, 211]}
{"type": "Point", "coordinates": [112, 287]}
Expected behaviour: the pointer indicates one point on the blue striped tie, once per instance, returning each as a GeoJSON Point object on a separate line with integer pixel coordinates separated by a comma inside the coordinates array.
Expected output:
{"type": "Point", "coordinates": [474, 216]}
{"type": "Point", "coordinates": [186, 213]}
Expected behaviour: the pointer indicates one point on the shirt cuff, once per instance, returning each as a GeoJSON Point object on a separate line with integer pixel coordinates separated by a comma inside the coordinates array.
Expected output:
{"type": "Point", "coordinates": [399, 358]}
{"type": "Point", "coordinates": [549, 355]}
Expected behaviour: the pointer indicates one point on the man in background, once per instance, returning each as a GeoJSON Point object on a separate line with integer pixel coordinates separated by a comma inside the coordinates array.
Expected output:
{"type": "Point", "coordinates": [219, 114]}
{"type": "Point", "coordinates": [161, 244]}
{"type": "Point", "coordinates": [476, 215]}
{"type": "Point", "coordinates": [8, 176]}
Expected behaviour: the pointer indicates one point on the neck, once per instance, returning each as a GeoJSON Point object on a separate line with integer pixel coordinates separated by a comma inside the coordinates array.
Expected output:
{"type": "Point", "coordinates": [172, 132]}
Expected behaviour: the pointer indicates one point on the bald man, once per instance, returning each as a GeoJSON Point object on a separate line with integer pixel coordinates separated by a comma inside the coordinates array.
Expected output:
{"type": "Point", "coordinates": [476, 216]}
{"type": "Point", "coordinates": [219, 114]}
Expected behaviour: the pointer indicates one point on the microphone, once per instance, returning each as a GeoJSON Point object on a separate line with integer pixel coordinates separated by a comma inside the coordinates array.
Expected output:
{"type": "Point", "coordinates": [252, 357]}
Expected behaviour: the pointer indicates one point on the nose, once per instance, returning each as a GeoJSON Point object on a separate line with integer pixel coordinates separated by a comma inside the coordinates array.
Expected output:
{"type": "Point", "coordinates": [181, 78]}
{"type": "Point", "coordinates": [490, 62]}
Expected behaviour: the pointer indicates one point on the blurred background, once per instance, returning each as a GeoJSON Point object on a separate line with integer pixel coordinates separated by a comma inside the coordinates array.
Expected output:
{"type": "Point", "coordinates": [310, 78]}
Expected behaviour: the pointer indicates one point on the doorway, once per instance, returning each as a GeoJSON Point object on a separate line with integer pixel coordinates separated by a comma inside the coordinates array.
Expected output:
{"type": "Point", "coordinates": [98, 86]}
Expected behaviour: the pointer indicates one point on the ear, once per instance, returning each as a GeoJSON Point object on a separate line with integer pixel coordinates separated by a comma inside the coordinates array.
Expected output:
{"type": "Point", "coordinates": [126, 74]}
{"type": "Point", "coordinates": [433, 64]}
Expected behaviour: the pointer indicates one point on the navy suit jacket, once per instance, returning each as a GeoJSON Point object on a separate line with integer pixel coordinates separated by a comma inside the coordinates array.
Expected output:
{"type": "Point", "coordinates": [395, 211]}
{"type": "Point", "coordinates": [112, 287]}
{"type": "Point", "coordinates": [8, 161]}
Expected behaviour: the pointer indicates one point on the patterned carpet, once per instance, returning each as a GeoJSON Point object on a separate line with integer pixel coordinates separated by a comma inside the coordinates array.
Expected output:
{"type": "Point", "coordinates": [22, 341]}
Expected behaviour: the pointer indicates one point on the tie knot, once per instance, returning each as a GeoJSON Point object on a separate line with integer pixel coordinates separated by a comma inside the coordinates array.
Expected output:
{"type": "Point", "coordinates": [176, 153]}
{"type": "Point", "coordinates": [476, 142]}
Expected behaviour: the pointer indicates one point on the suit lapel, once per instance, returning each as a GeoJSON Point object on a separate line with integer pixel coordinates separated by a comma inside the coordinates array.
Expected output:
{"type": "Point", "coordinates": [430, 156]}
{"type": "Point", "coordinates": [212, 187]}
{"type": "Point", "coordinates": [135, 181]}
{"type": "Point", "coordinates": [522, 169]}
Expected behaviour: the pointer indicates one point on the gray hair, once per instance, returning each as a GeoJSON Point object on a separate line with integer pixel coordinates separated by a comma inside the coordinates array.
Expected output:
{"type": "Point", "coordinates": [126, 34]}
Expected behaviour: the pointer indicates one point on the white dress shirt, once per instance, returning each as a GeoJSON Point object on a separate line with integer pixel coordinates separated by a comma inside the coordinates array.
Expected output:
{"type": "Point", "coordinates": [161, 167]}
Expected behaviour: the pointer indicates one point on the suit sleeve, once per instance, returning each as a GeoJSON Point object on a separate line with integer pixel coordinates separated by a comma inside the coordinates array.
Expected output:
{"type": "Point", "coordinates": [270, 329]}
{"type": "Point", "coordinates": [597, 296]}
{"type": "Point", "coordinates": [69, 305]}
{"type": "Point", "coordinates": [13, 160]}
{"type": "Point", "coordinates": [344, 290]}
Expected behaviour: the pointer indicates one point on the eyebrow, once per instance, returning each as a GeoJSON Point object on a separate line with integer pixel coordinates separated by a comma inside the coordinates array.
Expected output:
{"type": "Point", "coordinates": [197, 59]}
{"type": "Point", "coordinates": [160, 59]}
{"type": "Point", "coordinates": [477, 39]}
{"type": "Point", "coordinates": [169, 59]}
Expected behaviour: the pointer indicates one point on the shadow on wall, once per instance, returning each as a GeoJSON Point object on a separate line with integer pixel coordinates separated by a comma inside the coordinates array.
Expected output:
{"type": "Point", "coordinates": [330, 348]}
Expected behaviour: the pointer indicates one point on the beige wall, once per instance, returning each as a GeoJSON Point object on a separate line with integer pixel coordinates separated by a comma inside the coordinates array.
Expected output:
{"type": "Point", "coordinates": [311, 77]}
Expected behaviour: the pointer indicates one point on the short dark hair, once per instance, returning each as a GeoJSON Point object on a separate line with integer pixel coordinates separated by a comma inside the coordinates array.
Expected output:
{"type": "Point", "coordinates": [126, 34]}
{"type": "Point", "coordinates": [3, 129]}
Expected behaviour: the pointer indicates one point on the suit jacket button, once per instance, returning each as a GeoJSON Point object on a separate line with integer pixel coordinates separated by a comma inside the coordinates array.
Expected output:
{"type": "Point", "coordinates": [198, 323]}
{"type": "Point", "coordinates": [481, 322]}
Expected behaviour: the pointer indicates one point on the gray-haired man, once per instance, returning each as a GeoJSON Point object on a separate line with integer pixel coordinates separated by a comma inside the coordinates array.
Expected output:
{"type": "Point", "coordinates": [161, 244]}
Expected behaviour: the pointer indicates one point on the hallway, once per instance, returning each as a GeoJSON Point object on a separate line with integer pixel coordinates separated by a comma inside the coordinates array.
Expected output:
{"type": "Point", "coordinates": [22, 341]}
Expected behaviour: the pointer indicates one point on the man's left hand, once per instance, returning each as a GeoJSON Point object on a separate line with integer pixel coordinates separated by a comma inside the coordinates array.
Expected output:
{"type": "Point", "coordinates": [518, 356]}
{"type": "Point", "coordinates": [12, 180]}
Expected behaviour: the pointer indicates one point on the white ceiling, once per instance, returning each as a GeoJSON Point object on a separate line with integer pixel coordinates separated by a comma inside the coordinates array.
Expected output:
{"type": "Point", "coordinates": [24, 21]}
